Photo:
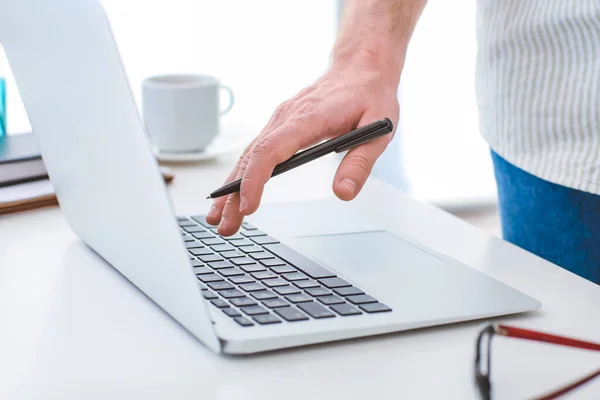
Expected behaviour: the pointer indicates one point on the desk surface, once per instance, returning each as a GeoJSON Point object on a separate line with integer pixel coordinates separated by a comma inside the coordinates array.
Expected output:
{"type": "Point", "coordinates": [72, 328]}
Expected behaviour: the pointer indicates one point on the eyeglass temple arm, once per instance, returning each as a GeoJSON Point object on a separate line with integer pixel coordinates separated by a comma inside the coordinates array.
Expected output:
{"type": "Point", "coordinates": [566, 389]}
{"type": "Point", "coordinates": [511, 331]}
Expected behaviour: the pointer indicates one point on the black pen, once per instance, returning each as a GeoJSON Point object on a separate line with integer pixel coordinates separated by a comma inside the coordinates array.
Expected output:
{"type": "Point", "coordinates": [339, 144]}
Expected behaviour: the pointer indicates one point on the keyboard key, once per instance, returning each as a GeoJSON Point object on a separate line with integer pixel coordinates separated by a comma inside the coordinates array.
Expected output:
{"type": "Point", "coordinates": [222, 247]}
{"type": "Point", "coordinates": [243, 321]}
{"type": "Point", "coordinates": [375, 308]}
{"type": "Point", "coordinates": [195, 263]}
{"type": "Point", "coordinates": [275, 303]}
{"type": "Point", "coordinates": [298, 298]}
{"type": "Point", "coordinates": [267, 319]}
{"type": "Point", "coordinates": [285, 290]}
{"type": "Point", "coordinates": [345, 309]}
{"type": "Point", "coordinates": [316, 310]}
{"type": "Point", "coordinates": [274, 282]}
{"type": "Point", "coordinates": [208, 295]}
{"type": "Point", "coordinates": [306, 284]}
{"type": "Point", "coordinates": [262, 240]}
{"type": "Point", "coordinates": [210, 258]}
{"type": "Point", "coordinates": [242, 261]}
{"type": "Point", "coordinates": [253, 233]}
{"type": "Point", "coordinates": [294, 276]}
{"type": "Point", "coordinates": [237, 236]}
{"type": "Point", "coordinates": [254, 310]}
{"type": "Point", "coordinates": [202, 270]}
{"type": "Point", "coordinates": [272, 262]}
{"type": "Point", "coordinates": [253, 268]}
{"type": "Point", "coordinates": [201, 219]}
{"type": "Point", "coordinates": [219, 303]}
{"type": "Point", "coordinates": [231, 294]}
{"type": "Point", "coordinates": [193, 245]}
{"type": "Point", "coordinates": [248, 226]}
{"type": "Point", "coordinates": [291, 314]}
{"type": "Point", "coordinates": [251, 249]}
{"type": "Point", "coordinates": [238, 280]}
{"type": "Point", "coordinates": [185, 222]}
{"type": "Point", "coordinates": [296, 259]}
{"type": "Point", "coordinates": [263, 295]}
{"type": "Point", "coordinates": [318, 291]}
{"type": "Point", "coordinates": [210, 278]}
{"type": "Point", "coordinates": [283, 269]}
{"type": "Point", "coordinates": [193, 229]}
{"type": "Point", "coordinates": [232, 254]}
{"type": "Point", "coordinates": [227, 272]}
{"type": "Point", "coordinates": [348, 291]}
{"type": "Point", "coordinates": [334, 283]}
{"type": "Point", "coordinates": [232, 312]}
{"type": "Point", "coordinates": [264, 275]}
{"type": "Point", "coordinates": [241, 242]}
{"type": "Point", "coordinates": [188, 238]}
{"type": "Point", "coordinates": [330, 300]}
{"type": "Point", "coordinates": [200, 252]}
{"type": "Point", "coordinates": [182, 219]}
{"type": "Point", "coordinates": [243, 302]}
{"type": "Point", "coordinates": [221, 285]}
{"type": "Point", "coordinates": [262, 255]}
{"type": "Point", "coordinates": [361, 299]}
{"type": "Point", "coordinates": [220, 264]}
{"type": "Point", "coordinates": [252, 287]}
{"type": "Point", "coordinates": [203, 235]}
{"type": "Point", "coordinates": [212, 241]}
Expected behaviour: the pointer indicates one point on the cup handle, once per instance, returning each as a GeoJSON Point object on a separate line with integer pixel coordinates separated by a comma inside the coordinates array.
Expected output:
{"type": "Point", "coordinates": [231, 99]}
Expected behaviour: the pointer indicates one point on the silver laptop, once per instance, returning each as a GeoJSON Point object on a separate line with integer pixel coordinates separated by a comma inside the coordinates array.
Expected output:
{"type": "Point", "coordinates": [271, 286]}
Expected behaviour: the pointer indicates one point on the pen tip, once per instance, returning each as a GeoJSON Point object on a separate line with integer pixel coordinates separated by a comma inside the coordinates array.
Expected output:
{"type": "Point", "coordinates": [208, 198]}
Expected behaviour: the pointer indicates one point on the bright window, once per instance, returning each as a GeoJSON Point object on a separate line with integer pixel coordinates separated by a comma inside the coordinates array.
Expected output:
{"type": "Point", "coordinates": [267, 50]}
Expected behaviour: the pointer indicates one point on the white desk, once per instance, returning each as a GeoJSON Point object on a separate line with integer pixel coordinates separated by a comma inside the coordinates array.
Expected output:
{"type": "Point", "coordinates": [72, 328]}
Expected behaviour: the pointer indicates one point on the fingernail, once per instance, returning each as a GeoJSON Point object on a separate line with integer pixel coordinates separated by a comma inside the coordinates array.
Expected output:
{"type": "Point", "coordinates": [349, 185]}
{"type": "Point", "coordinates": [243, 203]}
{"type": "Point", "coordinates": [213, 211]}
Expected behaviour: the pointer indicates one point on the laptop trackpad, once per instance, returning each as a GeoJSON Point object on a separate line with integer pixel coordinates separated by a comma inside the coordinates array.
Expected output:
{"type": "Point", "coordinates": [369, 253]}
{"type": "Point", "coordinates": [415, 283]}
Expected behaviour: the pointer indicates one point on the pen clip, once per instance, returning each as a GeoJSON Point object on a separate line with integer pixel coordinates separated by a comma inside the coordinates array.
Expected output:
{"type": "Point", "coordinates": [362, 140]}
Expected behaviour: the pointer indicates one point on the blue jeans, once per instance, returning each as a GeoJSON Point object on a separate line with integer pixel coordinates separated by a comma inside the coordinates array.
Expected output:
{"type": "Point", "coordinates": [555, 222]}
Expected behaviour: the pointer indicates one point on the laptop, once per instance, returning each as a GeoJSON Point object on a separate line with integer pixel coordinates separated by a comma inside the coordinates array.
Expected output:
{"type": "Point", "coordinates": [282, 281]}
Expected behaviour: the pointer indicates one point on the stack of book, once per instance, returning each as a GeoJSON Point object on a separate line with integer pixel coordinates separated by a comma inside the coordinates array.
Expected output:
{"type": "Point", "coordinates": [24, 183]}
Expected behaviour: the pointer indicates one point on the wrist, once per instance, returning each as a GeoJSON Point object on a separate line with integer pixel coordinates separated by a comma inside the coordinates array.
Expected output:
{"type": "Point", "coordinates": [387, 63]}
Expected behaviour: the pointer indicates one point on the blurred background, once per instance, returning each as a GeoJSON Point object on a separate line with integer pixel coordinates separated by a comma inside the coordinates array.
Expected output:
{"type": "Point", "coordinates": [267, 50]}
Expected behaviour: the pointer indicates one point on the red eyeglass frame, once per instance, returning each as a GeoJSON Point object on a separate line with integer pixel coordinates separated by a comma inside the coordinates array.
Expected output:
{"type": "Point", "coordinates": [483, 379]}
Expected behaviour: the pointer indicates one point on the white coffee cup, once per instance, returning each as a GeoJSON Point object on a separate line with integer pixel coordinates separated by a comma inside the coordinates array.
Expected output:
{"type": "Point", "coordinates": [182, 112]}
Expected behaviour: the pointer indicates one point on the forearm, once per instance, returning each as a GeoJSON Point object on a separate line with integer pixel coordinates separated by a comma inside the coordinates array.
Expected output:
{"type": "Point", "coordinates": [374, 35]}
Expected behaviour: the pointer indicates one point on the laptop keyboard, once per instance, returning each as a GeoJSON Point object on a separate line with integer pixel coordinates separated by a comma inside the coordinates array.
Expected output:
{"type": "Point", "coordinates": [254, 279]}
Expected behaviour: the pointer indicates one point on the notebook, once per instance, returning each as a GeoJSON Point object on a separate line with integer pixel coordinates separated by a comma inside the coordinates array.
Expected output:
{"type": "Point", "coordinates": [20, 159]}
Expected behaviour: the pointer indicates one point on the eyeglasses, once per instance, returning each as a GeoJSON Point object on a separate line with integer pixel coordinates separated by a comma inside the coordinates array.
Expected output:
{"type": "Point", "coordinates": [482, 376]}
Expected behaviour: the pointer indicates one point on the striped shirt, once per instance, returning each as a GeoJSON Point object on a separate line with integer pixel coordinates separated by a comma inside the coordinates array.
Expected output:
{"type": "Point", "coordinates": [538, 86]}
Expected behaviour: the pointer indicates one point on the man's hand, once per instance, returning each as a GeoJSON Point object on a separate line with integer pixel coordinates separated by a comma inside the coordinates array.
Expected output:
{"type": "Point", "coordinates": [359, 88]}
{"type": "Point", "coordinates": [337, 103]}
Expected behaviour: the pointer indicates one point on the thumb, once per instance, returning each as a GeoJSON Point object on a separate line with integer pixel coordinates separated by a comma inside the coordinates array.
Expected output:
{"type": "Point", "coordinates": [353, 172]}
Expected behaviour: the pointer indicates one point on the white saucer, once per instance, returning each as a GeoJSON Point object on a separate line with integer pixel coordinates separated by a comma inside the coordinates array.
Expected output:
{"type": "Point", "coordinates": [223, 144]}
